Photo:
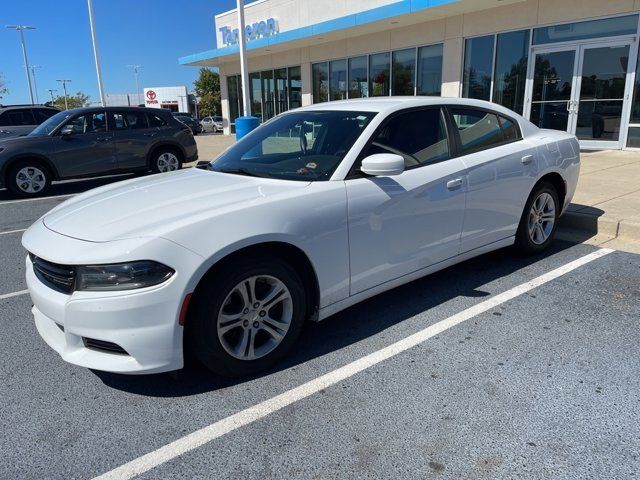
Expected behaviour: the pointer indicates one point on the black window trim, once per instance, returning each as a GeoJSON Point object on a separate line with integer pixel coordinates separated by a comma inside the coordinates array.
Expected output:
{"type": "Point", "coordinates": [354, 171]}
{"type": "Point", "coordinates": [456, 134]}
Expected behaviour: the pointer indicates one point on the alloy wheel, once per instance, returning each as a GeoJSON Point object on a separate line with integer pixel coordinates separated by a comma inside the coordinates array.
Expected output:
{"type": "Point", "coordinates": [255, 317]}
{"type": "Point", "coordinates": [168, 162]}
{"type": "Point", "coordinates": [31, 179]}
{"type": "Point", "coordinates": [542, 218]}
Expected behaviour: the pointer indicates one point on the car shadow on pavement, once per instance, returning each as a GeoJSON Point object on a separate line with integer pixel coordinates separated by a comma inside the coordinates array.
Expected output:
{"type": "Point", "coordinates": [351, 325]}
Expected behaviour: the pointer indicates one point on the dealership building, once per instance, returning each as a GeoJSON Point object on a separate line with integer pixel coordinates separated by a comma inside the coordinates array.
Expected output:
{"type": "Point", "coordinates": [563, 64]}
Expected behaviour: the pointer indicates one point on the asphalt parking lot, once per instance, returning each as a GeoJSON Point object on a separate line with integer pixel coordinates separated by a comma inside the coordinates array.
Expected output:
{"type": "Point", "coordinates": [542, 382]}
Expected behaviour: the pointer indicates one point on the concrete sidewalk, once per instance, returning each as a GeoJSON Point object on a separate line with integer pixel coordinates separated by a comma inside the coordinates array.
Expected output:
{"type": "Point", "coordinates": [606, 206]}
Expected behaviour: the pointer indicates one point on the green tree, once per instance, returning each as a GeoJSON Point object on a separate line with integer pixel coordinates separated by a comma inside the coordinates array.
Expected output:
{"type": "Point", "coordinates": [3, 87]}
{"type": "Point", "coordinates": [207, 87]}
{"type": "Point", "coordinates": [73, 101]}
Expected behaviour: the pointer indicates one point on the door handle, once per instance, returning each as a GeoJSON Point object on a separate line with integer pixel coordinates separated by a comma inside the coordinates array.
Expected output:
{"type": "Point", "coordinates": [527, 159]}
{"type": "Point", "coordinates": [453, 184]}
{"type": "Point", "coordinates": [153, 134]}
{"type": "Point", "coordinates": [103, 139]}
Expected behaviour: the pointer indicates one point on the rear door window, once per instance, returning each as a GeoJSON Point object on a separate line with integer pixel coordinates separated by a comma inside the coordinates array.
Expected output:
{"type": "Point", "coordinates": [17, 117]}
{"type": "Point", "coordinates": [129, 120]}
{"type": "Point", "coordinates": [482, 129]}
{"type": "Point", "coordinates": [156, 120]}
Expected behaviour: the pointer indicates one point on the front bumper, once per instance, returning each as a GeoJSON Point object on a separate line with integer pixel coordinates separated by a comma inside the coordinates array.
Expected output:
{"type": "Point", "coordinates": [144, 323]}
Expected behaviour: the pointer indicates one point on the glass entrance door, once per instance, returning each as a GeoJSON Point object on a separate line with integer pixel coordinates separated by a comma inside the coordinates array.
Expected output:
{"type": "Point", "coordinates": [581, 89]}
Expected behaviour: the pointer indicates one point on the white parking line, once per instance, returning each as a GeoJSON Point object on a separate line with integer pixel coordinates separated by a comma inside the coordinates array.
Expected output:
{"type": "Point", "coordinates": [12, 231]}
{"type": "Point", "coordinates": [9, 202]}
{"type": "Point", "coordinates": [245, 417]}
{"type": "Point", "coordinates": [13, 294]}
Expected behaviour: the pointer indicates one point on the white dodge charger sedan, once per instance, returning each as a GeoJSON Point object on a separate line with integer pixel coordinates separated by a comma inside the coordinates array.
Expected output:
{"type": "Point", "coordinates": [314, 211]}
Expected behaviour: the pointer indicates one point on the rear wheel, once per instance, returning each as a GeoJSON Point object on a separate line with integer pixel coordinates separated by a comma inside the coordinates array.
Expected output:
{"type": "Point", "coordinates": [28, 178]}
{"type": "Point", "coordinates": [247, 317]}
{"type": "Point", "coordinates": [166, 160]}
{"type": "Point", "coordinates": [539, 220]}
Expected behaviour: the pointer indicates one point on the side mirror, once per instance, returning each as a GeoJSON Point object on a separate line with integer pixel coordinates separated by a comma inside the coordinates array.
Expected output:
{"type": "Point", "coordinates": [383, 165]}
{"type": "Point", "coordinates": [67, 131]}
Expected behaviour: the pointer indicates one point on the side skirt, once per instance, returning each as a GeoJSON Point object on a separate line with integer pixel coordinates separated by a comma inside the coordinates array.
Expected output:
{"type": "Point", "coordinates": [383, 287]}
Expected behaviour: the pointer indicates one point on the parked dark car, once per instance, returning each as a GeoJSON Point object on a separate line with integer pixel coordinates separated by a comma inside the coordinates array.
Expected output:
{"type": "Point", "coordinates": [19, 120]}
{"type": "Point", "coordinates": [188, 120]}
{"type": "Point", "coordinates": [85, 142]}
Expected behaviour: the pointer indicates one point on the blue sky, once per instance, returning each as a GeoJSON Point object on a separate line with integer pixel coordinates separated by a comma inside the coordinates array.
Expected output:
{"type": "Point", "coordinates": [154, 33]}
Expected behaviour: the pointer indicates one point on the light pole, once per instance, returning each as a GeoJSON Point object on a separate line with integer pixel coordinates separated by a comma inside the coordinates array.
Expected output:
{"type": "Point", "coordinates": [64, 87]}
{"type": "Point", "coordinates": [51, 90]}
{"type": "Point", "coordinates": [95, 52]}
{"type": "Point", "coordinates": [21, 29]}
{"type": "Point", "coordinates": [35, 85]}
{"type": "Point", "coordinates": [243, 60]}
{"type": "Point", "coordinates": [135, 72]}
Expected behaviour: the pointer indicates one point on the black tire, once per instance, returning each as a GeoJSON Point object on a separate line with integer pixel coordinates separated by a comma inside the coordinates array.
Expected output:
{"type": "Point", "coordinates": [201, 326]}
{"type": "Point", "coordinates": [156, 162]}
{"type": "Point", "coordinates": [524, 243]}
{"type": "Point", "coordinates": [42, 175]}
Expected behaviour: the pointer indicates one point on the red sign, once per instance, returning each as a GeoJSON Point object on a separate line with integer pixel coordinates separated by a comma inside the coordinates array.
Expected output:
{"type": "Point", "coordinates": [151, 95]}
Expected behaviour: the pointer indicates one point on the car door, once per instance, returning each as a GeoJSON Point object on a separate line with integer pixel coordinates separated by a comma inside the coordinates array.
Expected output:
{"type": "Point", "coordinates": [88, 150]}
{"type": "Point", "coordinates": [16, 122]}
{"type": "Point", "coordinates": [132, 136]}
{"type": "Point", "coordinates": [403, 223]}
{"type": "Point", "coordinates": [501, 170]}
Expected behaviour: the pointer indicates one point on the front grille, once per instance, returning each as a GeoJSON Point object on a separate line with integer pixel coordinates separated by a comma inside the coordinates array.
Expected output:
{"type": "Point", "coordinates": [61, 278]}
{"type": "Point", "coordinates": [103, 346]}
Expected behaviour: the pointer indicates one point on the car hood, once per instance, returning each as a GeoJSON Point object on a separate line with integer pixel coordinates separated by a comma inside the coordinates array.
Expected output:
{"type": "Point", "coordinates": [154, 205]}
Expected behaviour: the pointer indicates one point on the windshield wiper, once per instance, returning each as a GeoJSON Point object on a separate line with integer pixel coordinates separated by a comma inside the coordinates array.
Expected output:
{"type": "Point", "coordinates": [241, 171]}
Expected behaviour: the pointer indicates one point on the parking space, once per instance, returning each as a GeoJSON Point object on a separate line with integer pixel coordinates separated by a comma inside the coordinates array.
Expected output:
{"type": "Point", "coordinates": [543, 383]}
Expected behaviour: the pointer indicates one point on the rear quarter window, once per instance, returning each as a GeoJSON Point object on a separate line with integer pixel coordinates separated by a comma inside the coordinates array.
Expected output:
{"type": "Point", "coordinates": [156, 120]}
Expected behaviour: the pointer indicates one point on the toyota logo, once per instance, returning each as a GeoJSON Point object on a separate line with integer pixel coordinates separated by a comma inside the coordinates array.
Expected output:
{"type": "Point", "coordinates": [151, 95]}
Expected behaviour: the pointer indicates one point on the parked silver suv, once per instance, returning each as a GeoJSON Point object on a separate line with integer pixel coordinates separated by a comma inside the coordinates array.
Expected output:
{"type": "Point", "coordinates": [19, 120]}
{"type": "Point", "coordinates": [86, 142]}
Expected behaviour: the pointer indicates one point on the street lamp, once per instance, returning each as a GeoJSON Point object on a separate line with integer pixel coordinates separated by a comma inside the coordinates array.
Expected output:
{"type": "Point", "coordinates": [64, 87]}
{"type": "Point", "coordinates": [95, 52]}
{"type": "Point", "coordinates": [35, 85]}
{"type": "Point", "coordinates": [21, 29]}
{"type": "Point", "coordinates": [51, 90]}
{"type": "Point", "coordinates": [135, 72]}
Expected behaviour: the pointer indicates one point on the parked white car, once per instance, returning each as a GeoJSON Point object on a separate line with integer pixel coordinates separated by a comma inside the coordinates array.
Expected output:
{"type": "Point", "coordinates": [312, 212]}
{"type": "Point", "coordinates": [211, 124]}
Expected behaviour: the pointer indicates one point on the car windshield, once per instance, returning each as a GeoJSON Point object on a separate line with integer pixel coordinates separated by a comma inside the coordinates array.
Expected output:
{"type": "Point", "coordinates": [306, 145]}
{"type": "Point", "coordinates": [46, 127]}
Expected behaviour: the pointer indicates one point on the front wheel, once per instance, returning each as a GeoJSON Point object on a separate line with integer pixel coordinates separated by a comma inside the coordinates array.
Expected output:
{"type": "Point", "coordinates": [28, 179]}
{"type": "Point", "coordinates": [539, 220]}
{"type": "Point", "coordinates": [166, 161]}
{"type": "Point", "coordinates": [247, 316]}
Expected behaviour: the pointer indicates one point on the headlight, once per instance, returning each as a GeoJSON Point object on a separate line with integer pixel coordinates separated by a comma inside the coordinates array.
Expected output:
{"type": "Point", "coordinates": [121, 276]}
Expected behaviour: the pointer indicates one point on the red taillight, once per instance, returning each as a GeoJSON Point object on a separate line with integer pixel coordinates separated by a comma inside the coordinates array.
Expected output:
{"type": "Point", "coordinates": [184, 309]}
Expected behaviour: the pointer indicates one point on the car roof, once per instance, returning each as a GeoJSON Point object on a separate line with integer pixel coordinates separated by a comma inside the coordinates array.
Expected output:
{"type": "Point", "coordinates": [26, 105]}
{"type": "Point", "coordinates": [390, 104]}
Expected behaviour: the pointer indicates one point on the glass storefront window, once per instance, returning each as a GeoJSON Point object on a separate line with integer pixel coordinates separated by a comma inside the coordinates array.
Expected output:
{"type": "Point", "coordinates": [255, 94]}
{"type": "Point", "coordinates": [295, 87]}
{"type": "Point", "coordinates": [280, 76]}
{"type": "Point", "coordinates": [478, 60]}
{"type": "Point", "coordinates": [379, 74]}
{"type": "Point", "coordinates": [338, 80]}
{"type": "Point", "coordinates": [404, 71]}
{"type": "Point", "coordinates": [268, 95]}
{"type": "Point", "coordinates": [358, 84]}
{"type": "Point", "coordinates": [320, 75]}
{"type": "Point", "coordinates": [512, 56]}
{"type": "Point", "coordinates": [429, 70]}
{"type": "Point", "coordinates": [234, 90]}
{"type": "Point", "coordinates": [606, 27]}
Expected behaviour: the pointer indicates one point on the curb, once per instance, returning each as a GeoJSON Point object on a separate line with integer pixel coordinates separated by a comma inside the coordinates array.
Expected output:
{"type": "Point", "coordinates": [594, 224]}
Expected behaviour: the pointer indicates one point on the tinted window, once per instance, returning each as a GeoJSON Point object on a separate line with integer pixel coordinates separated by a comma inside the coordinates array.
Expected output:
{"type": "Point", "coordinates": [430, 70]}
{"type": "Point", "coordinates": [478, 58]}
{"type": "Point", "coordinates": [358, 84]}
{"type": "Point", "coordinates": [379, 74]}
{"type": "Point", "coordinates": [320, 74]}
{"type": "Point", "coordinates": [43, 114]}
{"type": "Point", "coordinates": [419, 136]}
{"type": "Point", "coordinates": [129, 120]}
{"type": "Point", "coordinates": [89, 123]}
{"type": "Point", "coordinates": [155, 120]}
{"type": "Point", "coordinates": [338, 80]}
{"type": "Point", "coordinates": [404, 71]}
{"type": "Point", "coordinates": [478, 129]}
{"type": "Point", "coordinates": [512, 55]}
{"type": "Point", "coordinates": [19, 116]}
{"type": "Point", "coordinates": [509, 129]}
